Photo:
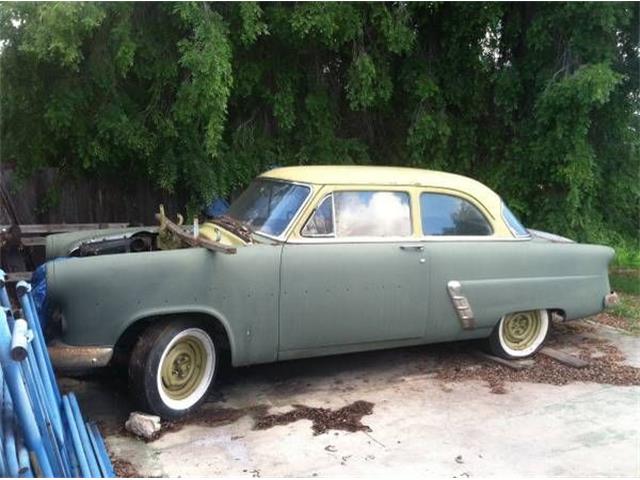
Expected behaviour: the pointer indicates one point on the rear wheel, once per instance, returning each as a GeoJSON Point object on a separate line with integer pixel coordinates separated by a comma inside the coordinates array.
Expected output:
{"type": "Point", "coordinates": [520, 334]}
{"type": "Point", "coordinates": [172, 367]}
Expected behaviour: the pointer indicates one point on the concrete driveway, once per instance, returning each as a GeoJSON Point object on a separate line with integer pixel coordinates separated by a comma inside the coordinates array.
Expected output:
{"type": "Point", "coordinates": [433, 410]}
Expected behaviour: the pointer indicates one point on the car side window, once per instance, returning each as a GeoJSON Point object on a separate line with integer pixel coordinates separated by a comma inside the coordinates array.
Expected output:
{"type": "Point", "coordinates": [372, 214]}
{"type": "Point", "coordinates": [449, 215]}
{"type": "Point", "coordinates": [320, 224]}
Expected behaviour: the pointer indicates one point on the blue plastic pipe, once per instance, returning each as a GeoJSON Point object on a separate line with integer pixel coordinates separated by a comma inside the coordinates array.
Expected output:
{"type": "Point", "coordinates": [101, 451]}
{"type": "Point", "coordinates": [42, 362]}
{"type": "Point", "coordinates": [8, 437]}
{"type": "Point", "coordinates": [84, 437]}
{"type": "Point", "coordinates": [34, 312]}
{"type": "Point", "coordinates": [24, 461]}
{"type": "Point", "coordinates": [75, 438]}
{"type": "Point", "coordinates": [23, 290]}
{"type": "Point", "coordinates": [13, 378]}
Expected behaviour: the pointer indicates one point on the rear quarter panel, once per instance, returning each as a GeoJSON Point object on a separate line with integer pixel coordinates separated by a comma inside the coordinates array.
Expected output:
{"type": "Point", "coordinates": [508, 276]}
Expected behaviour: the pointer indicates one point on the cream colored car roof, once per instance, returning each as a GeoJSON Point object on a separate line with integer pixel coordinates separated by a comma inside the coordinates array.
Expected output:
{"type": "Point", "coordinates": [378, 175]}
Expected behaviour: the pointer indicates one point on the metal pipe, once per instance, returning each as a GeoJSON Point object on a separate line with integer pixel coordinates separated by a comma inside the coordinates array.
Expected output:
{"type": "Point", "coordinates": [12, 374]}
{"type": "Point", "coordinates": [84, 437]}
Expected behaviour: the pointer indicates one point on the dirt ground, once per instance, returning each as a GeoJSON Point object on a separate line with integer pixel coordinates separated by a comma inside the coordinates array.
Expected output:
{"type": "Point", "coordinates": [438, 409]}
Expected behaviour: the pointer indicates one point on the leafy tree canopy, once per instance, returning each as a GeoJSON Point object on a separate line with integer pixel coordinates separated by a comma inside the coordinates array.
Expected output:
{"type": "Point", "coordinates": [540, 101]}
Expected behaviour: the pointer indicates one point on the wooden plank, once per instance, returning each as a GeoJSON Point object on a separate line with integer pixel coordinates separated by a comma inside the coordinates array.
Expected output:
{"type": "Point", "coordinates": [34, 229]}
{"type": "Point", "coordinates": [513, 364]}
{"type": "Point", "coordinates": [15, 277]}
{"type": "Point", "coordinates": [567, 359]}
{"type": "Point", "coordinates": [33, 241]}
{"type": "Point", "coordinates": [191, 240]}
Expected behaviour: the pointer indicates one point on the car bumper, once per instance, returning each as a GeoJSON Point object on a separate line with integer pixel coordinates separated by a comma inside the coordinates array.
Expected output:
{"type": "Point", "coordinates": [70, 358]}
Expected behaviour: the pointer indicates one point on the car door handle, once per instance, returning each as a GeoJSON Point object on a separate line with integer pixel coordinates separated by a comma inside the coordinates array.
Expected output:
{"type": "Point", "coordinates": [413, 248]}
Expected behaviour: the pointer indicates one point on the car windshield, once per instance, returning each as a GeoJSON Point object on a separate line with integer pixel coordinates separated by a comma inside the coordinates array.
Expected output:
{"type": "Point", "coordinates": [268, 206]}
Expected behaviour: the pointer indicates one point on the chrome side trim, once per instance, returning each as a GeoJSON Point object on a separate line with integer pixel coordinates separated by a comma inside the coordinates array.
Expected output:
{"type": "Point", "coordinates": [69, 358]}
{"type": "Point", "coordinates": [461, 305]}
{"type": "Point", "coordinates": [410, 238]}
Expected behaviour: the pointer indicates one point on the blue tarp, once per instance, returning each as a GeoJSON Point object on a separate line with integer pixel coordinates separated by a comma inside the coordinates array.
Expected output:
{"type": "Point", "coordinates": [218, 207]}
{"type": "Point", "coordinates": [39, 289]}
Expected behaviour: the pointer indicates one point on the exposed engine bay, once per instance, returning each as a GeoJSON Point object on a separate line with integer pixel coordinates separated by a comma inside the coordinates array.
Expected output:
{"type": "Point", "coordinates": [138, 242]}
{"type": "Point", "coordinates": [219, 234]}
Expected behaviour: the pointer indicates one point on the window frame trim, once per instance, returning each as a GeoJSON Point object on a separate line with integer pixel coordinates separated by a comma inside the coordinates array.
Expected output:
{"type": "Point", "coordinates": [314, 211]}
{"type": "Point", "coordinates": [516, 235]}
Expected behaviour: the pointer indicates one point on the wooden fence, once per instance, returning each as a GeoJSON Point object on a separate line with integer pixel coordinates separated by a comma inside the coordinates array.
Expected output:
{"type": "Point", "coordinates": [48, 197]}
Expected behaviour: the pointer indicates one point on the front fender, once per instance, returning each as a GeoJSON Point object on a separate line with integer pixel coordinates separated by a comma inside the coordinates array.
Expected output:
{"type": "Point", "coordinates": [101, 296]}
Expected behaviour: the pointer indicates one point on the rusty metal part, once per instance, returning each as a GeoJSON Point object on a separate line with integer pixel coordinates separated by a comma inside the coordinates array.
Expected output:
{"type": "Point", "coordinates": [461, 305]}
{"type": "Point", "coordinates": [115, 244]}
{"type": "Point", "coordinates": [71, 358]}
{"type": "Point", "coordinates": [233, 225]}
{"type": "Point", "coordinates": [178, 231]}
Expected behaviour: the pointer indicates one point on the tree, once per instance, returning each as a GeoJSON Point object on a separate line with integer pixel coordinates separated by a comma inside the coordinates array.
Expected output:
{"type": "Point", "coordinates": [538, 100]}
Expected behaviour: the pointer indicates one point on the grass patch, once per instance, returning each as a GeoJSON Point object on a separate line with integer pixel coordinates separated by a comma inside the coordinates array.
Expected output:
{"type": "Point", "coordinates": [625, 280]}
{"type": "Point", "coordinates": [629, 310]}
{"type": "Point", "coordinates": [627, 256]}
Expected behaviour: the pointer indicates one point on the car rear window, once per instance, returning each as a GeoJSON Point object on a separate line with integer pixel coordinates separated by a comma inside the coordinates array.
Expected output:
{"type": "Point", "coordinates": [444, 215]}
{"type": "Point", "coordinates": [513, 223]}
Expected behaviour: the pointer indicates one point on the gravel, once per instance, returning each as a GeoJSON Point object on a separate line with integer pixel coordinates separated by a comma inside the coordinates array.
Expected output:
{"type": "Point", "coordinates": [348, 418]}
{"type": "Point", "coordinates": [605, 364]}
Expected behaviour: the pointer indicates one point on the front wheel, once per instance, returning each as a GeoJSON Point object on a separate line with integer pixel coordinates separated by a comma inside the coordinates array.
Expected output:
{"type": "Point", "coordinates": [172, 367]}
{"type": "Point", "coordinates": [520, 334]}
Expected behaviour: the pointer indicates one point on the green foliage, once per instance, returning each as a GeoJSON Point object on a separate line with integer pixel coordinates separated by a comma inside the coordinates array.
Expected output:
{"type": "Point", "coordinates": [627, 254]}
{"type": "Point", "coordinates": [538, 100]}
{"type": "Point", "coordinates": [627, 282]}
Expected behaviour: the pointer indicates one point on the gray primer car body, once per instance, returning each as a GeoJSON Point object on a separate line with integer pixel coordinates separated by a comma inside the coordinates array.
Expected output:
{"type": "Point", "coordinates": [279, 299]}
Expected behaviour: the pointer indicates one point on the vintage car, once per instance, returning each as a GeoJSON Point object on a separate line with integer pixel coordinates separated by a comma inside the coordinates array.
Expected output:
{"type": "Point", "coordinates": [310, 261]}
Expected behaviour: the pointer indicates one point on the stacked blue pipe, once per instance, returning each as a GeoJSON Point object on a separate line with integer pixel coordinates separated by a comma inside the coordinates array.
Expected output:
{"type": "Point", "coordinates": [42, 433]}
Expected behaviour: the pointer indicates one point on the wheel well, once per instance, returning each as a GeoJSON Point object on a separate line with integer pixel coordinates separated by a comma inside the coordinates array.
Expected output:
{"type": "Point", "coordinates": [129, 337]}
{"type": "Point", "coordinates": [557, 312]}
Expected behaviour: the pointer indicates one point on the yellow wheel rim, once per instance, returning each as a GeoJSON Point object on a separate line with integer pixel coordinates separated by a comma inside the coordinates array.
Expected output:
{"type": "Point", "coordinates": [521, 330]}
{"type": "Point", "coordinates": [183, 368]}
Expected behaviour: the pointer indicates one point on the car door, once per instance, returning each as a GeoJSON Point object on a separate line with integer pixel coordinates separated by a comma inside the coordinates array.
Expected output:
{"type": "Point", "coordinates": [355, 276]}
